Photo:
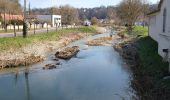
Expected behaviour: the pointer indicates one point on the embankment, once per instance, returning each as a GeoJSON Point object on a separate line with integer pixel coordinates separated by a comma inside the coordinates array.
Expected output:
{"type": "Point", "coordinates": [22, 52]}
{"type": "Point", "coordinates": [140, 54]}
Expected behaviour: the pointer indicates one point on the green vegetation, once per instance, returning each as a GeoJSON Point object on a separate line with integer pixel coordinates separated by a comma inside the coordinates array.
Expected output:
{"type": "Point", "coordinates": [9, 31]}
{"type": "Point", "coordinates": [138, 31]}
{"type": "Point", "coordinates": [151, 64]}
{"type": "Point", "coordinates": [17, 42]}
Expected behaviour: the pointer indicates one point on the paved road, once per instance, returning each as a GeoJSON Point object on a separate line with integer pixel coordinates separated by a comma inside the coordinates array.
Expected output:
{"type": "Point", "coordinates": [39, 31]}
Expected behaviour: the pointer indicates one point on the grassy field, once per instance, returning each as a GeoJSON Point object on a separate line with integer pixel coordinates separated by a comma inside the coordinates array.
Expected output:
{"type": "Point", "coordinates": [151, 64]}
{"type": "Point", "coordinates": [17, 42]}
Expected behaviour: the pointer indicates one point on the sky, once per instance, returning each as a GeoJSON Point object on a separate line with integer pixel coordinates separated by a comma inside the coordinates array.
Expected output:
{"type": "Point", "coordinates": [75, 3]}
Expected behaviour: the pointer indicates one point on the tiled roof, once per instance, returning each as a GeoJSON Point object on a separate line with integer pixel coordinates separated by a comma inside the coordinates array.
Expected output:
{"type": "Point", "coordinates": [12, 17]}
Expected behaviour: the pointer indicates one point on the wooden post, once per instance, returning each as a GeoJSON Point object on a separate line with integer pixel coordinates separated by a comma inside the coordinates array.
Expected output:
{"type": "Point", "coordinates": [24, 23]}
{"type": "Point", "coordinates": [47, 27]}
{"type": "Point", "coordinates": [5, 26]}
{"type": "Point", "coordinates": [56, 27]}
{"type": "Point", "coordinates": [15, 30]}
{"type": "Point", "coordinates": [18, 26]}
{"type": "Point", "coordinates": [34, 27]}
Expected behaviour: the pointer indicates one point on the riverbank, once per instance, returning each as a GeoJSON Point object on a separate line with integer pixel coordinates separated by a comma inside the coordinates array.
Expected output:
{"type": "Point", "coordinates": [22, 52]}
{"type": "Point", "coordinates": [140, 54]}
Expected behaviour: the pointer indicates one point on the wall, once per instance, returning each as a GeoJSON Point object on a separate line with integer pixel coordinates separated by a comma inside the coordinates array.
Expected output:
{"type": "Point", "coordinates": [164, 40]}
{"type": "Point", "coordinates": [56, 19]}
{"type": "Point", "coordinates": [156, 29]}
{"type": "Point", "coordinates": [46, 18]}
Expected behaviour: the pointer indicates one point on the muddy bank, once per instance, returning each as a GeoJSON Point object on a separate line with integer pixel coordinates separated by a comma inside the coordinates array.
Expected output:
{"type": "Point", "coordinates": [146, 86]}
{"type": "Point", "coordinates": [104, 41]}
{"type": "Point", "coordinates": [35, 53]}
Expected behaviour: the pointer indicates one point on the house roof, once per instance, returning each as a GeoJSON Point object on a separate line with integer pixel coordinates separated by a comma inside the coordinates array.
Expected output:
{"type": "Point", "coordinates": [153, 12]}
{"type": "Point", "coordinates": [157, 10]}
{"type": "Point", "coordinates": [12, 17]}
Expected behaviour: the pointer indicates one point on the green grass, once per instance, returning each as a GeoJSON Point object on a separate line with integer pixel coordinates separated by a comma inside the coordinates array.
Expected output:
{"type": "Point", "coordinates": [18, 42]}
{"type": "Point", "coordinates": [139, 31]}
{"type": "Point", "coordinates": [9, 31]}
{"type": "Point", "coordinates": [151, 65]}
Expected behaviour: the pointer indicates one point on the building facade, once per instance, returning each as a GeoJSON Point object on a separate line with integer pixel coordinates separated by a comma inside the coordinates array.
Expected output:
{"type": "Point", "coordinates": [159, 28]}
{"type": "Point", "coordinates": [54, 20]}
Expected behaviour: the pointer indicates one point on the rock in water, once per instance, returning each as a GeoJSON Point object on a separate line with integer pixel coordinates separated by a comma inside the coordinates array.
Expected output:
{"type": "Point", "coordinates": [67, 53]}
{"type": "Point", "coordinates": [49, 66]}
{"type": "Point", "coordinates": [58, 63]}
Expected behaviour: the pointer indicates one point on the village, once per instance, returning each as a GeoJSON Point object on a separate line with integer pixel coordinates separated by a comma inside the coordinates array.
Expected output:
{"type": "Point", "coordinates": [78, 50]}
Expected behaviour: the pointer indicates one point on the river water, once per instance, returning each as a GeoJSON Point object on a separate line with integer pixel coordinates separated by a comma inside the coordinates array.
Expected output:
{"type": "Point", "coordinates": [96, 73]}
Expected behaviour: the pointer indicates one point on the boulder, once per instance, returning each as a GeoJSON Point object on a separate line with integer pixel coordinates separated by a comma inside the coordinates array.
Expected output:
{"type": "Point", "coordinates": [58, 63]}
{"type": "Point", "coordinates": [49, 66]}
{"type": "Point", "coordinates": [67, 53]}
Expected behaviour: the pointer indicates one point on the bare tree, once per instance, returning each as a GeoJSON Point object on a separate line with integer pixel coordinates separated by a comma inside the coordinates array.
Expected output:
{"type": "Point", "coordinates": [129, 12]}
{"type": "Point", "coordinates": [69, 15]}
{"type": "Point", "coordinates": [145, 11]}
{"type": "Point", "coordinates": [111, 13]}
{"type": "Point", "coordinates": [94, 21]}
{"type": "Point", "coordinates": [9, 7]}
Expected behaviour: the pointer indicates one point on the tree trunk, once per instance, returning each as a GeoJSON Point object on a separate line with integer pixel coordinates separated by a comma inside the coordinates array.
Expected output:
{"type": "Point", "coordinates": [47, 27]}
{"type": "Point", "coordinates": [34, 28]}
{"type": "Point", "coordinates": [5, 21]}
{"type": "Point", "coordinates": [14, 30]}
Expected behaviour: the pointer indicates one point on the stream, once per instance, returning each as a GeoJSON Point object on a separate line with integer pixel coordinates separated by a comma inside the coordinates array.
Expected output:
{"type": "Point", "coordinates": [96, 73]}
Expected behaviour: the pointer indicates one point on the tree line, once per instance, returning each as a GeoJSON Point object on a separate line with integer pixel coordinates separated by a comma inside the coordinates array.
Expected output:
{"type": "Point", "coordinates": [127, 12]}
{"type": "Point", "coordinates": [71, 15]}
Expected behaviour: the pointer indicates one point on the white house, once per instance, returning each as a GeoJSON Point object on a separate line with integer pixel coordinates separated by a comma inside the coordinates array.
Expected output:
{"type": "Point", "coordinates": [54, 20]}
{"type": "Point", "coordinates": [87, 23]}
{"type": "Point", "coordinates": [159, 28]}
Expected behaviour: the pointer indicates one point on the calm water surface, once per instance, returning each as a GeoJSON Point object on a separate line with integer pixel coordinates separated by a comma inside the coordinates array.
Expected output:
{"type": "Point", "coordinates": [96, 73]}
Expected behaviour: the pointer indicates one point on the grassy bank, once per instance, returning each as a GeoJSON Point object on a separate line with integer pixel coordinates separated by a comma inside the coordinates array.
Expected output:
{"type": "Point", "coordinates": [17, 42]}
{"type": "Point", "coordinates": [151, 68]}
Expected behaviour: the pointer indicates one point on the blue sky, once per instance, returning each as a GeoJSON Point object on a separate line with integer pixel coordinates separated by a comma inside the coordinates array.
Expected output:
{"type": "Point", "coordinates": [74, 3]}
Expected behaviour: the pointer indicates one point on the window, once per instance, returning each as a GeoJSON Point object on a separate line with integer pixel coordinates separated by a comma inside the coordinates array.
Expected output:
{"type": "Point", "coordinates": [164, 20]}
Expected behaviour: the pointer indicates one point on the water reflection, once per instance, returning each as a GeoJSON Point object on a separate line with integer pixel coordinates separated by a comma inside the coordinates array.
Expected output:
{"type": "Point", "coordinates": [27, 82]}
{"type": "Point", "coordinates": [97, 73]}
{"type": "Point", "coordinates": [16, 75]}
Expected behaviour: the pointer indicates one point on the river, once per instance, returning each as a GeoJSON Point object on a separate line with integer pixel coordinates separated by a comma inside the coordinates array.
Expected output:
{"type": "Point", "coordinates": [96, 73]}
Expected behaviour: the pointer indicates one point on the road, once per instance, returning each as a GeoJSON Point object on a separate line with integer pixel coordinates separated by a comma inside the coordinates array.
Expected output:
{"type": "Point", "coordinates": [31, 32]}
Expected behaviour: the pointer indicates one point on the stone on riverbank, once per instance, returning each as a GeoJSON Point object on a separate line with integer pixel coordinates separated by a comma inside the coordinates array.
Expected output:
{"type": "Point", "coordinates": [102, 41]}
{"type": "Point", "coordinates": [67, 53]}
{"type": "Point", "coordinates": [31, 59]}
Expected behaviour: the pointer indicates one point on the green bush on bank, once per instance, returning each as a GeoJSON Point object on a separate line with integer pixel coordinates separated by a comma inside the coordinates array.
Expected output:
{"type": "Point", "coordinates": [151, 64]}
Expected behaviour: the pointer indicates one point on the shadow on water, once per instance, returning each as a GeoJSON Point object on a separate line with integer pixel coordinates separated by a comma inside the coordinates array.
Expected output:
{"type": "Point", "coordinates": [96, 73]}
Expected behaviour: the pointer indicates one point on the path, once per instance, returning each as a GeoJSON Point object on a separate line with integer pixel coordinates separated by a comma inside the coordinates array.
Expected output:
{"type": "Point", "coordinates": [38, 31]}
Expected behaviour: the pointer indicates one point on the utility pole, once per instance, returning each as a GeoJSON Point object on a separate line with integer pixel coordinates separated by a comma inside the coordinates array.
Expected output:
{"type": "Point", "coordinates": [29, 8]}
{"type": "Point", "coordinates": [24, 22]}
